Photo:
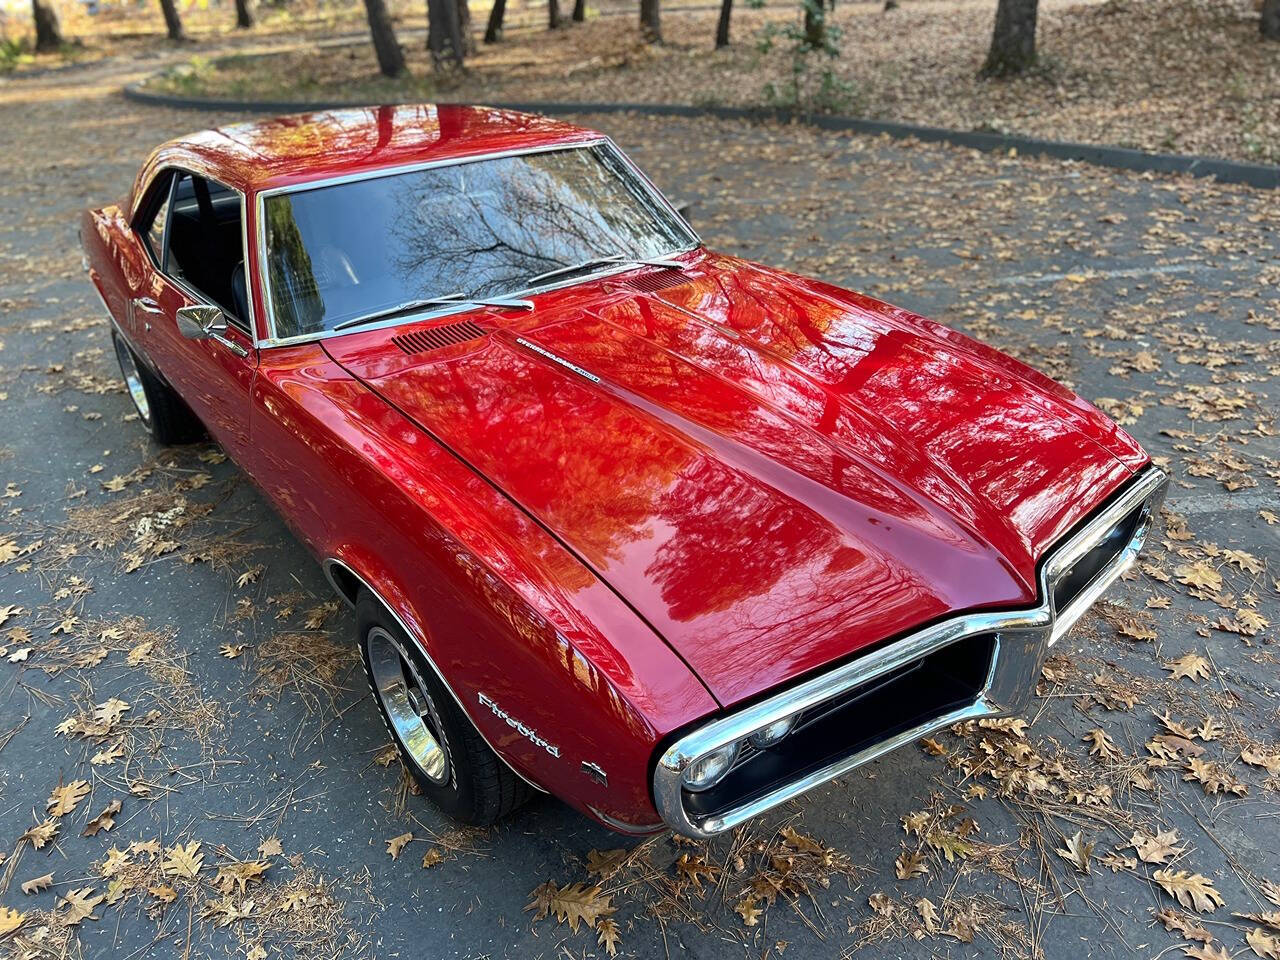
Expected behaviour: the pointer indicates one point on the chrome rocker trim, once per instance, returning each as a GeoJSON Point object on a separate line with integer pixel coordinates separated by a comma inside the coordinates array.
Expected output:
{"type": "Point", "coordinates": [1022, 642]}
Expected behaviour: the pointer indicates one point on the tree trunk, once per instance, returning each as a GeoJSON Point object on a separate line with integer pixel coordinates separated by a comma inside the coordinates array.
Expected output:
{"type": "Point", "coordinates": [1270, 25]}
{"type": "Point", "coordinates": [579, 11]}
{"type": "Point", "coordinates": [493, 32]}
{"type": "Point", "coordinates": [244, 14]}
{"type": "Point", "coordinates": [651, 20]}
{"type": "Point", "coordinates": [464, 28]}
{"type": "Point", "coordinates": [1013, 42]}
{"type": "Point", "coordinates": [553, 15]}
{"type": "Point", "coordinates": [385, 46]}
{"type": "Point", "coordinates": [172, 21]}
{"type": "Point", "coordinates": [444, 33]}
{"type": "Point", "coordinates": [722, 25]}
{"type": "Point", "coordinates": [815, 25]}
{"type": "Point", "coordinates": [48, 30]}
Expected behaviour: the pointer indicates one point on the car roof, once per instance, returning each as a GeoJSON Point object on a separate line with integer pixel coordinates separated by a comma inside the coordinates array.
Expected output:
{"type": "Point", "coordinates": [283, 151]}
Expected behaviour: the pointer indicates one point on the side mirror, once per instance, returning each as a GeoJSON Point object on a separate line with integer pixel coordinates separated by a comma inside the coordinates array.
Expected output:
{"type": "Point", "coordinates": [201, 322]}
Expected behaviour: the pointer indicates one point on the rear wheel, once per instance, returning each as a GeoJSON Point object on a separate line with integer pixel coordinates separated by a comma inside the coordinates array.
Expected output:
{"type": "Point", "coordinates": [456, 769]}
{"type": "Point", "coordinates": [161, 411]}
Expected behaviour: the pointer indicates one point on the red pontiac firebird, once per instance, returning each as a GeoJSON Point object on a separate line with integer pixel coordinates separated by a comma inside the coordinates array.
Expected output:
{"type": "Point", "coordinates": [673, 536]}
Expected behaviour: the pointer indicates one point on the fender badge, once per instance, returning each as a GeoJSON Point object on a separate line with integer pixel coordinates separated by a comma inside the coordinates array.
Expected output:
{"type": "Point", "coordinates": [595, 772]}
{"type": "Point", "coordinates": [525, 731]}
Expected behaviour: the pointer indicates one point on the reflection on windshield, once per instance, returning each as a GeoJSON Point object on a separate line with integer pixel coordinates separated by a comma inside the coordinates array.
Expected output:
{"type": "Point", "coordinates": [472, 229]}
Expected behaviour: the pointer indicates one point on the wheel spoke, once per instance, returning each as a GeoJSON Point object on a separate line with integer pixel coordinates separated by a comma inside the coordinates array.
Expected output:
{"type": "Point", "coordinates": [413, 718]}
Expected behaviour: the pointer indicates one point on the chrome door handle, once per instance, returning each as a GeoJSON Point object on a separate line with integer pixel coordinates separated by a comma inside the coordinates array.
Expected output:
{"type": "Point", "coordinates": [147, 306]}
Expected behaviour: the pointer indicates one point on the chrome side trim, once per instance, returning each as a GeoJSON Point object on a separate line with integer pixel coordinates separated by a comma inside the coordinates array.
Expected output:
{"type": "Point", "coordinates": [1022, 641]}
{"type": "Point", "coordinates": [328, 565]}
{"type": "Point", "coordinates": [640, 181]}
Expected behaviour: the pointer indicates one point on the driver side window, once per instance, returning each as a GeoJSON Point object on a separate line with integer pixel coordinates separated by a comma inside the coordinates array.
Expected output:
{"type": "Point", "coordinates": [197, 239]}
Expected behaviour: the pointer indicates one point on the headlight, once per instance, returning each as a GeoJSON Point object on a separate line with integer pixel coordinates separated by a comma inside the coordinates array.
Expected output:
{"type": "Point", "coordinates": [768, 736]}
{"type": "Point", "coordinates": [710, 768]}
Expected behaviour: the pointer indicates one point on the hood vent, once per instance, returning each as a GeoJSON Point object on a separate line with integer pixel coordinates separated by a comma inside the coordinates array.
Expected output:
{"type": "Point", "coordinates": [435, 338]}
{"type": "Point", "coordinates": [658, 280]}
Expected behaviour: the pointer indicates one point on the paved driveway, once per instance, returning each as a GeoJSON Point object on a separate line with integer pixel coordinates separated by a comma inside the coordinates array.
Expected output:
{"type": "Point", "coordinates": [162, 581]}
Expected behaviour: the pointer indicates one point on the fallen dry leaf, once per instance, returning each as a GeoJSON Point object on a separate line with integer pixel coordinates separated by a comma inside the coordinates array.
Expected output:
{"type": "Point", "coordinates": [1158, 849]}
{"type": "Point", "coordinates": [1181, 923]}
{"type": "Point", "coordinates": [103, 821]}
{"type": "Point", "coordinates": [80, 905]}
{"type": "Point", "coordinates": [574, 904]}
{"type": "Point", "coordinates": [608, 935]}
{"type": "Point", "coordinates": [183, 861]}
{"type": "Point", "coordinates": [41, 833]}
{"type": "Point", "coordinates": [10, 920]}
{"type": "Point", "coordinates": [749, 910]}
{"type": "Point", "coordinates": [1207, 952]}
{"type": "Point", "coordinates": [65, 798]}
{"type": "Point", "coordinates": [910, 864]}
{"type": "Point", "coordinates": [1192, 890]}
{"type": "Point", "coordinates": [1191, 667]}
{"type": "Point", "coordinates": [396, 844]}
{"type": "Point", "coordinates": [1077, 851]}
{"type": "Point", "coordinates": [1264, 945]}
{"type": "Point", "coordinates": [38, 884]}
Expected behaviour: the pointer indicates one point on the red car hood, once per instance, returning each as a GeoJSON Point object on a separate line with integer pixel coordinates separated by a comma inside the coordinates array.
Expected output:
{"type": "Point", "coordinates": [772, 472]}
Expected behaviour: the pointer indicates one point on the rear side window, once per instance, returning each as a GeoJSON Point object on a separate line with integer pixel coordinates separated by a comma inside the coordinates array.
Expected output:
{"type": "Point", "coordinates": [153, 232]}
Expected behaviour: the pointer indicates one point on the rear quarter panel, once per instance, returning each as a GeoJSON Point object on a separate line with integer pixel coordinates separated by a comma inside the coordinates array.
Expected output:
{"type": "Point", "coordinates": [498, 604]}
{"type": "Point", "coordinates": [112, 266]}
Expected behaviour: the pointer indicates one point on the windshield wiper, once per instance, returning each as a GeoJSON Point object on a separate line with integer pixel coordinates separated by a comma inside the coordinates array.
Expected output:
{"type": "Point", "coordinates": [602, 261]}
{"type": "Point", "coordinates": [452, 299]}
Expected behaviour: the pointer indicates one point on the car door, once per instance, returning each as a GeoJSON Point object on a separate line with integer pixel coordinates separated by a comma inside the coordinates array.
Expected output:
{"type": "Point", "coordinates": [202, 263]}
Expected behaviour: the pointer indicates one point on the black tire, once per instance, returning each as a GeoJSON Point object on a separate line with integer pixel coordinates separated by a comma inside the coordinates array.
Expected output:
{"type": "Point", "coordinates": [160, 410]}
{"type": "Point", "coordinates": [477, 788]}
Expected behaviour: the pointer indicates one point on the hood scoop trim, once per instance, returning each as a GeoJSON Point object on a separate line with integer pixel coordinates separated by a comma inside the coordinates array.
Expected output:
{"type": "Point", "coordinates": [437, 338]}
{"type": "Point", "coordinates": [658, 280]}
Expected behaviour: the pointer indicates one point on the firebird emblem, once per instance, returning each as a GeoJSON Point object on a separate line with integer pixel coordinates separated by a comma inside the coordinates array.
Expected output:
{"type": "Point", "coordinates": [527, 732]}
{"type": "Point", "coordinates": [560, 360]}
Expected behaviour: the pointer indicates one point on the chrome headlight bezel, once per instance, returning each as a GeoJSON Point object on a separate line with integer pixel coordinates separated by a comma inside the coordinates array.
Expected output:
{"type": "Point", "coordinates": [705, 771]}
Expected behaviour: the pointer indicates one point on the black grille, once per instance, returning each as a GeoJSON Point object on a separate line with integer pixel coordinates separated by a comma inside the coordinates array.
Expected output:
{"type": "Point", "coordinates": [435, 338]}
{"type": "Point", "coordinates": [659, 280]}
{"type": "Point", "coordinates": [1087, 567]}
{"type": "Point", "coordinates": [915, 694]}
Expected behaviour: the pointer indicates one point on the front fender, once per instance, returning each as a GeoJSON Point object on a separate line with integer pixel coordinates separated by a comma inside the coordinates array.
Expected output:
{"type": "Point", "coordinates": [501, 609]}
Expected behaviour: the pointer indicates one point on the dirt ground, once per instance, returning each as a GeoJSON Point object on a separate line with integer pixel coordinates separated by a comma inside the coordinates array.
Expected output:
{"type": "Point", "coordinates": [190, 764]}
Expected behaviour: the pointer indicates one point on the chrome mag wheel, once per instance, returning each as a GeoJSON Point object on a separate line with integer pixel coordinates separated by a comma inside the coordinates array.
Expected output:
{"type": "Point", "coordinates": [133, 381]}
{"type": "Point", "coordinates": [412, 713]}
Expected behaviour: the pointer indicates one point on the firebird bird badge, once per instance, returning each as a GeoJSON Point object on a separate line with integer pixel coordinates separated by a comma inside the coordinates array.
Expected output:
{"type": "Point", "coordinates": [527, 732]}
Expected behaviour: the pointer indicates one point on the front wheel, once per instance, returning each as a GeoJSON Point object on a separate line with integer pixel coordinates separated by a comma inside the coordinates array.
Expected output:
{"type": "Point", "coordinates": [456, 769]}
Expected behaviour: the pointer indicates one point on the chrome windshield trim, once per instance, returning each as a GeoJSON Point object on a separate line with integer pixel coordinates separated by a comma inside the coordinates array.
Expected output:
{"type": "Point", "coordinates": [640, 180]}
{"type": "Point", "coordinates": [1023, 638]}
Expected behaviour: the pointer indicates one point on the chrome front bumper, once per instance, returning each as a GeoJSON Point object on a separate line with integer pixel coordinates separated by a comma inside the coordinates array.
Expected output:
{"type": "Point", "coordinates": [1020, 640]}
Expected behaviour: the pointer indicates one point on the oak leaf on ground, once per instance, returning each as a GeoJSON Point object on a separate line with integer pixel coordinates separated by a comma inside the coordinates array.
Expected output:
{"type": "Point", "coordinates": [1192, 890]}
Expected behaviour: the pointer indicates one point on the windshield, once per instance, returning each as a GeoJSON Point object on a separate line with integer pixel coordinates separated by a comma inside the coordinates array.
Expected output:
{"type": "Point", "coordinates": [476, 229]}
